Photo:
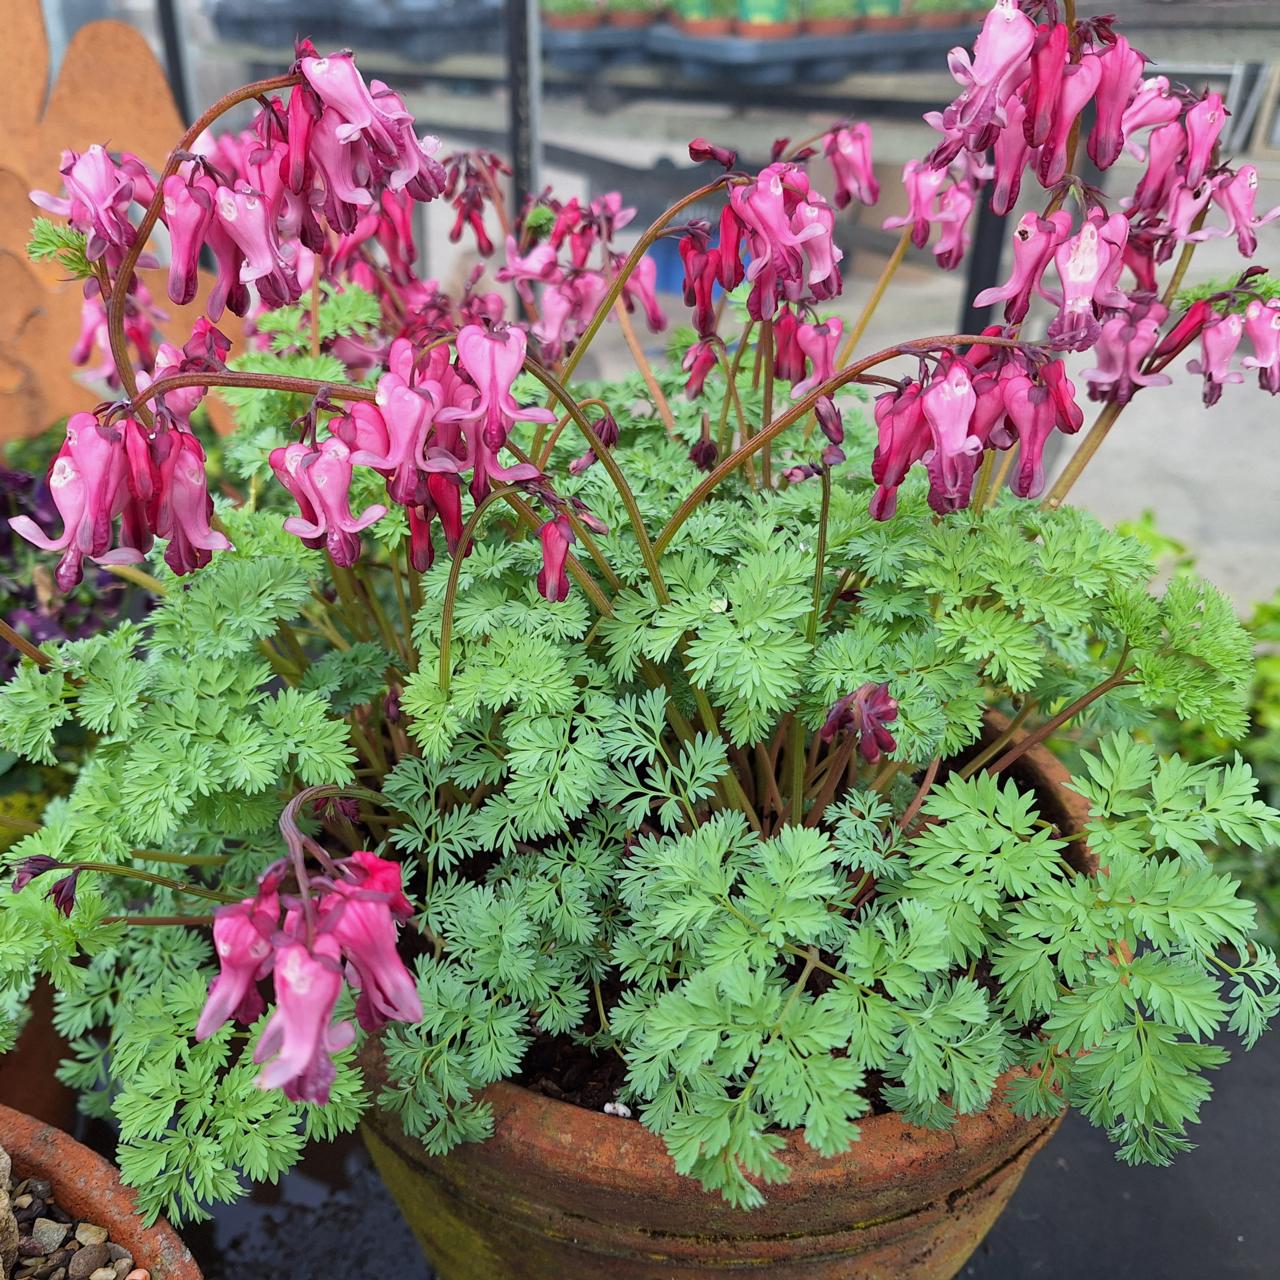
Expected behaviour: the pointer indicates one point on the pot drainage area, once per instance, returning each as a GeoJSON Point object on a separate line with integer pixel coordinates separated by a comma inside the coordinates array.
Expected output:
{"type": "Point", "coordinates": [1078, 1210]}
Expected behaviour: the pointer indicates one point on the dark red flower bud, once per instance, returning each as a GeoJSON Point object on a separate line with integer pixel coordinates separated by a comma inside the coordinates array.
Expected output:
{"type": "Point", "coordinates": [63, 893]}
{"type": "Point", "coordinates": [700, 150]}
{"type": "Point", "coordinates": [32, 867]}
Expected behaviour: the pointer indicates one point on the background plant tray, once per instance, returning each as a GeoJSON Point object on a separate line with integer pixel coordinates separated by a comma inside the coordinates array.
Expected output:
{"type": "Point", "coordinates": [803, 58]}
{"type": "Point", "coordinates": [594, 47]}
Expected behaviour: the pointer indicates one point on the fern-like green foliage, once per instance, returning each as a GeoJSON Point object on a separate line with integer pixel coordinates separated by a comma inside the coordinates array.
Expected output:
{"type": "Point", "coordinates": [56, 242]}
{"type": "Point", "coordinates": [600, 843]}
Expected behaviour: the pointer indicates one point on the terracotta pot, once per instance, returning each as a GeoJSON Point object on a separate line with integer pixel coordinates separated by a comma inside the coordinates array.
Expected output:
{"type": "Point", "coordinates": [707, 28]}
{"type": "Point", "coordinates": [633, 18]}
{"type": "Point", "coordinates": [832, 26]}
{"type": "Point", "coordinates": [86, 1186]}
{"type": "Point", "coordinates": [933, 19]}
{"type": "Point", "coordinates": [27, 1079]}
{"type": "Point", "coordinates": [562, 1191]}
{"type": "Point", "coordinates": [768, 30]}
{"type": "Point", "coordinates": [572, 21]}
{"type": "Point", "coordinates": [889, 22]}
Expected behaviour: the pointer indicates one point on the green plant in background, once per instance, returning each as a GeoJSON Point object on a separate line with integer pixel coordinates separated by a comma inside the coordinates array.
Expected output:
{"type": "Point", "coordinates": [705, 10]}
{"type": "Point", "coordinates": [1259, 745]}
{"type": "Point", "coordinates": [569, 7]}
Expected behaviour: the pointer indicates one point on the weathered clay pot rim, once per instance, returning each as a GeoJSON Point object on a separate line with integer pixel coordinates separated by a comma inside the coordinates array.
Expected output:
{"type": "Point", "coordinates": [585, 1144]}
{"type": "Point", "coordinates": [86, 1186]}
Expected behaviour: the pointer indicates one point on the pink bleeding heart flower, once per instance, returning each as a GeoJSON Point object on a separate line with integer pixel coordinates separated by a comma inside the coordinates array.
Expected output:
{"type": "Point", "coordinates": [1048, 65]}
{"type": "Point", "coordinates": [246, 219]}
{"type": "Point", "coordinates": [1154, 104]}
{"type": "Point", "coordinates": [864, 713]}
{"type": "Point", "coordinates": [187, 212]}
{"type": "Point", "coordinates": [99, 194]}
{"type": "Point", "coordinates": [1262, 324]}
{"type": "Point", "coordinates": [700, 151]}
{"type": "Point", "coordinates": [849, 151]}
{"type": "Point", "coordinates": [300, 1038]}
{"type": "Point", "coordinates": [1036, 408]}
{"type": "Point", "coordinates": [948, 403]}
{"type": "Point", "coordinates": [361, 920]}
{"type": "Point", "coordinates": [325, 476]}
{"type": "Point", "coordinates": [1166, 147]}
{"type": "Point", "coordinates": [904, 438]}
{"type": "Point", "coordinates": [1126, 340]}
{"type": "Point", "coordinates": [1189, 327]}
{"type": "Point", "coordinates": [923, 184]}
{"type": "Point", "coordinates": [87, 484]}
{"type": "Point", "coordinates": [1237, 195]}
{"type": "Point", "coordinates": [493, 361]}
{"type": "Point", "coordinates": [998, 65]}
{"type": "Point", "coordinates": [1121, 77]}
{"type": "Point", "coordinates": [1218, 343]}
{"type": "Point", "coordinates": [184, 505]}
{"type": "Point", "coordinates": [820, 344]}
{"type": "Point", "coordinates": [788, 356]}
{"type": "Point", "coordinates": [1089, 266]}
{"type": "Point", "coordinates": [1034, 241]}
{"type": "Point", "coordinates": [790, 233]}
{"type": "Point", "coordinates": [242, 940]}
{"type": "Point", "coordinates": [1079, 86]}
{"type": "Point", "coordinates": [538, 266]}
{"type": "Point", "coordinates": [1011, 154]}
{"type": "Point", "coordinates": [698, 361]}
{"type": "Point", "coordinates": [701, 274]}
{"type": "Point", "coordinates": [641, 288]}
{"type": "Point", "coordinates": [1204, 125]}
{"type": "Point", "coordinates": [553, 581]}
{"type": "Point", "coordinates": [954, 208]}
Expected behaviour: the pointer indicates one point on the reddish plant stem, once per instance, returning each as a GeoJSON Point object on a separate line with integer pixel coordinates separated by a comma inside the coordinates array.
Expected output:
{"type": "Point", "coordinates": [262, 381]}
{"type": "Point", "coordinates": [775, 428]}
{"type": "Point", "coordinates": [124, 277]}
{"type": "Point", "coordinates": [917, 801]}
{"type": "Point", "coordinates": [25, 646]}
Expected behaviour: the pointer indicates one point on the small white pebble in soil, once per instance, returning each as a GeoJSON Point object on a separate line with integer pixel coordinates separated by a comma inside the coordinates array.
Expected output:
{"type": "Point", "coordinates": [619, 1109]}
{"type": "Point", "coordinates": [87, 1233]}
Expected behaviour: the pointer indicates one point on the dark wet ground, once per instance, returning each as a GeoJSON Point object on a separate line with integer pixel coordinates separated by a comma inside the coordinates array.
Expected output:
{"type": "Point", "coordinates": [1212, 1216]}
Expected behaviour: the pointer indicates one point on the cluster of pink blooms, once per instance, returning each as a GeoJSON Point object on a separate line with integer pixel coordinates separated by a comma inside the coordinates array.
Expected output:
{"type": "Point", "coordinates": [344, 930]}
{"type": "Point", "coordinates": [990, 398]}
{"type": "Point", "coordinates": [572, 288]}
{"type": "Point", "coordinates": [151, 479]}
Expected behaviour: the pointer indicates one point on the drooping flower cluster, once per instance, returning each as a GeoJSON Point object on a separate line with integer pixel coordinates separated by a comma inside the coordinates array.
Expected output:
{"type": "Point", "coordinates": [785, 229]}
{"type": "Point", "coordinates": [344, 930]}
{"type": "Point", "coordinates": [991, 398]}
{"type": "Point", "coordinates": [560, 261]}
{"type": "Point", "coordinates": [864, 713]}
{"type": "Point", "coordinates": [152, 481]}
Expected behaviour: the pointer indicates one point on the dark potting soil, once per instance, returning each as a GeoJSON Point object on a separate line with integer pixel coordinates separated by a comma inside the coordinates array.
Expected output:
{"type": "Point", "coordinates": [52, 1245]}
{"type": "Point", "coordinates": [1210, 1216]}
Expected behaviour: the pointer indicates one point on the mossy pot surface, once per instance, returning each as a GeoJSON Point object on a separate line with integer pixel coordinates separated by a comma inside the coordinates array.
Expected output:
{"type": "Point", "coordinates": [559, 1191]}
{"type": "Point", "coordinates": [86, 1186]}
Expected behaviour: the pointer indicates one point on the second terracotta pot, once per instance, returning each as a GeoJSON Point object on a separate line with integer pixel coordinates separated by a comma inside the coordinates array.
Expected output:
{"type": "Point", "coordinates": [86, 1186]}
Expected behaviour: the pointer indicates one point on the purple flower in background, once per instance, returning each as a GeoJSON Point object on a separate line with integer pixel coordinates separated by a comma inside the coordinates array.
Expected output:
{"type": "Point", "coordinates": [864, 713]}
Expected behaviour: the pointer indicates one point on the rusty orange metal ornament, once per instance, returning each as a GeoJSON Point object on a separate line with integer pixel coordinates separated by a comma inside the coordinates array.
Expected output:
{"type": "Point", "coordinates": [109, 89]}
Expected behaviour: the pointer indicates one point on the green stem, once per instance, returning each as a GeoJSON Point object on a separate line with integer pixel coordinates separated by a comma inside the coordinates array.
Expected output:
{"type": "Point", "coordinates": [149, 877]}
{"type": "Point", "coordinates": [455, 570]}
{"type": "Point", "coordinates": [606, 459]}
